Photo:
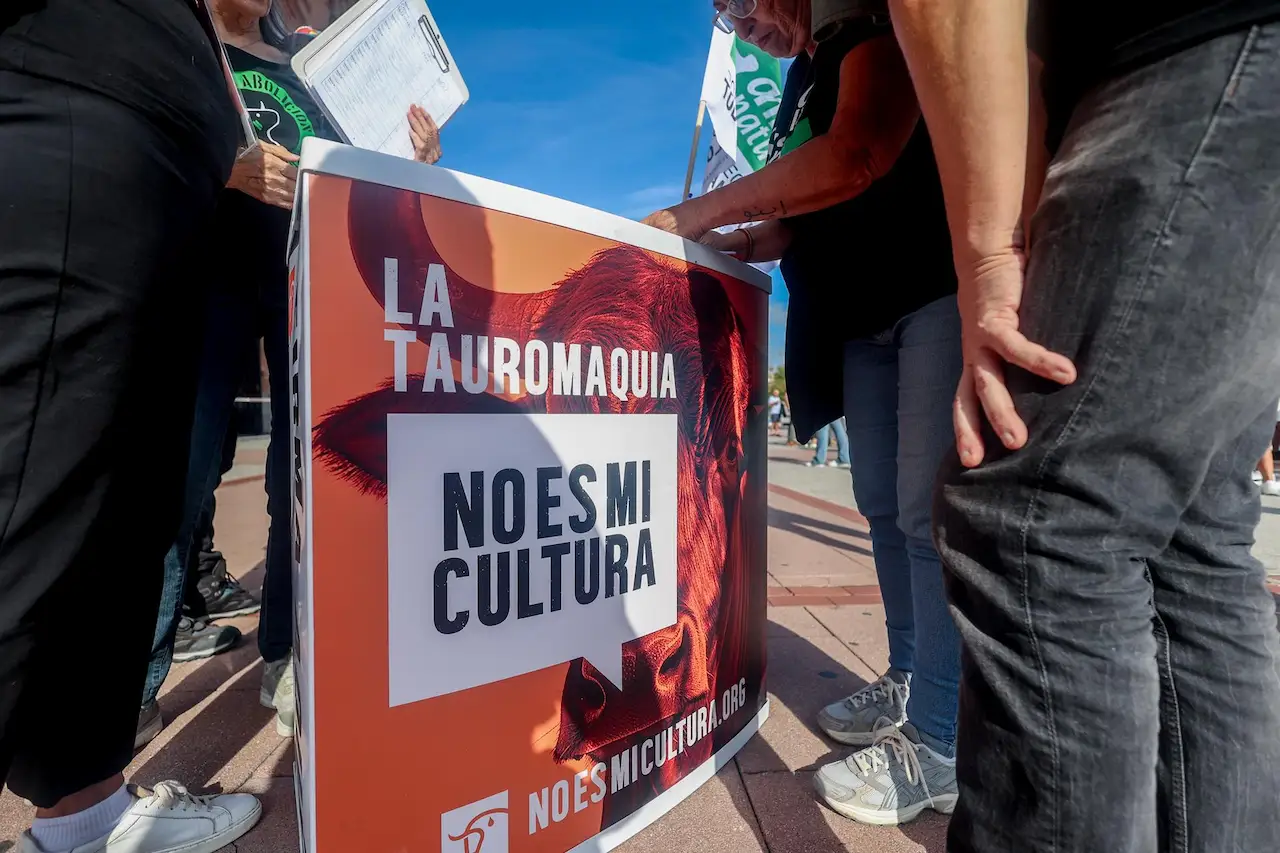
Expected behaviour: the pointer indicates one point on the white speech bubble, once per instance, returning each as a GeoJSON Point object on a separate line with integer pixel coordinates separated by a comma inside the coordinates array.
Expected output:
{"type": "Point", "coordinates": [436, 652]}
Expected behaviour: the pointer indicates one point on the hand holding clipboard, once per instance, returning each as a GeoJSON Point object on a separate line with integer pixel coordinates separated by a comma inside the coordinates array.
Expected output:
{"type": "Point", "coordinates": [374, 63]}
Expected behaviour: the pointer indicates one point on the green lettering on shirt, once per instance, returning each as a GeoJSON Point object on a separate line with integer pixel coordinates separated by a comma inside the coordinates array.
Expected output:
{"type": "Point", "coordinates": [276, 117]}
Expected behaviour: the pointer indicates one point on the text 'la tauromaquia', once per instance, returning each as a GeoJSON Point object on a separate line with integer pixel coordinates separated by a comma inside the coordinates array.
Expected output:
{"type": "Point", "coordinates": [502, 366]}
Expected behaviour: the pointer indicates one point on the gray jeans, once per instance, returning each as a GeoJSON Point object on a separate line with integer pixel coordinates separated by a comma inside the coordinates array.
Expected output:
{"type": "Point", "coordinates": [1120, 690]}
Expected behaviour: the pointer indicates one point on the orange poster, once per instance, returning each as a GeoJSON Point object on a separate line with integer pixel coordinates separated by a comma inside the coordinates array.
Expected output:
{"type": "Point", "coordinates": [529, 447]}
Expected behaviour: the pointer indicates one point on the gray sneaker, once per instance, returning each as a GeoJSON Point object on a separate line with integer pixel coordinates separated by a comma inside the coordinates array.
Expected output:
{"type": "Point", "coordinates": [853, 721]}
{"type": "Point", "coordinates": [196, 639]}
{"type": "Point", "coordinates": [277, 693]}
{"type": "Point", "coordinates": [891, 782]}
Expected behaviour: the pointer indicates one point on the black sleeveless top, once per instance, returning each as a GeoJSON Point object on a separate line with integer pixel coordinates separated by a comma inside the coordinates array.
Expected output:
{"type": "Point", "coordinates": [854, 269]}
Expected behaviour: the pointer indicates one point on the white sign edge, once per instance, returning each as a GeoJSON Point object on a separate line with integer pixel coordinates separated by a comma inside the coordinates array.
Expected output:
{"type": "Point", "coordinates": [321, 157]}
{"type": "Point", "coordinates": [657, 808]}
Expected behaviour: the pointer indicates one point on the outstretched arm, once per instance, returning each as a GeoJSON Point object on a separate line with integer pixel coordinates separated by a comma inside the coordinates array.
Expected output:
{"type": "Point", "coordinates": [876, 113]}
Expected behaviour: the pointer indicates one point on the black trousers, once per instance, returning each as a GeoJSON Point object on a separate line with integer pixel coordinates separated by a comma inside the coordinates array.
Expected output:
{"type": "Point", "coordinates": [203, 558]}
{"type": "Point", "coordinates": [101, 214]}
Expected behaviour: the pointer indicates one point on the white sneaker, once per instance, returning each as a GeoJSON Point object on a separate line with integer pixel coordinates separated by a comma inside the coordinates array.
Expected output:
{"type": "Point", "coordinates": [890, 783]}
{"type": "Point", "coordinates": [170, 820]}
{"type": "Point", "coordinates": [1271, 488]}
{"type": "Point", "coordinates": [277, 692]}
{"type": "Point", "coordinates": [855, 720]}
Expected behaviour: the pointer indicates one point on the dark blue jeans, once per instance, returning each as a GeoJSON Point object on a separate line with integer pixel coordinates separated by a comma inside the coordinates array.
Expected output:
{"type": "Point", "coordinates": [898, 389]}
{"type": "Point", "coordinates": [235, 315]}
{"type": "Point", "coordinates": [1119, 687]}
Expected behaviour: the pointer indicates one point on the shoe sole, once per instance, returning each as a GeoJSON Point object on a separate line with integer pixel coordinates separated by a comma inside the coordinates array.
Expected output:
{"type": "Point", "coordinates": [231, 614]}
{"type": "Point", "coordinates": [185, 657]}
{"type": "Point", "coordinates": [851, 738]}
{"type": "Point", "coordinates": [942, 805]}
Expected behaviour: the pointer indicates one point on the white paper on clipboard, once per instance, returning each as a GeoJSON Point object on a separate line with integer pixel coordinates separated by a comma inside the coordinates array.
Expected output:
{"type": "Point", "coordinates": [368, 67]}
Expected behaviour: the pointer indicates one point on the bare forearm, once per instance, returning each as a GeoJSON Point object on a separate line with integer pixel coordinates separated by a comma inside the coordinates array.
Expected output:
{"type": "Point", "coordinates": [821, 173]}
{"type": "Point", "coordinates": [968, 59]}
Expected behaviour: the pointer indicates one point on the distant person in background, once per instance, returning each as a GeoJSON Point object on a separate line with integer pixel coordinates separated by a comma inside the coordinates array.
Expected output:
{"type": "Point", "coordinates": [824, 439]}
{"type": "Point", "coordinates": [1267, 470]}
{"type": "Point", "coordinates": [792, 440]}
{"type": "Point", "coordinates": [249, 279]}
{"type": "Point", "coordinates": [117, 133]}
{"type": "Point", "coordinates": [851, 202]}
{"type": "Point", "coordinates": [1267, 466]}
{"type": "Point", "coordinates": [775, 413]}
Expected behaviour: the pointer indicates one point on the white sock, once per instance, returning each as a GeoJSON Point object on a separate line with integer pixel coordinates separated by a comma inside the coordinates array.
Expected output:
{"type": "Point", "coordinates": [61, 834]}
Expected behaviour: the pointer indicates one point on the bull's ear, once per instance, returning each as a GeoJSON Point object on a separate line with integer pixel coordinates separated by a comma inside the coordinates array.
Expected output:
{"type": "Point", "coordinates": [386, 223]}
{"type": "Point", "coordinates": [351, 440]}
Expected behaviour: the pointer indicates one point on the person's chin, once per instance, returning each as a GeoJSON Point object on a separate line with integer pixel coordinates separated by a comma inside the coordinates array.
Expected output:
{"type": "Point", "coordinates": [777, 46]}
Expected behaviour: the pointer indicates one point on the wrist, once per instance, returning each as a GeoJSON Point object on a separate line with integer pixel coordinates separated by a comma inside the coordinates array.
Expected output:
{"type": "Point", "coordinates": [695, 212]}
{"type": "Point", "coordinates": [979, 247]}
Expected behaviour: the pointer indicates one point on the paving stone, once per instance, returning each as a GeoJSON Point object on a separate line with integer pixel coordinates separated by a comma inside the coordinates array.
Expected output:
{"type": "Point", "coordinates": [790, 622]}
{"type": "Point", "coordinates": [718, 818]}
{"type": "Point", "coordinates": [277, 830]}
{"type": "Point", "coordinates": [805, 674]}
{"type": "Point", "coordinates": [862, 628]}
{"type": "Point", "coordinates": [794, 821]}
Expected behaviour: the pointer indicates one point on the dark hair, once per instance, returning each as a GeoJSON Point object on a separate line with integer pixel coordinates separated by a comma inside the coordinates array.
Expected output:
{"type": "Point", "coordinates": [275, 32]}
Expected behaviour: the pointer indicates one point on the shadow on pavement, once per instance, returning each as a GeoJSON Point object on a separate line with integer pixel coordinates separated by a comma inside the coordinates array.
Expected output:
{"type": "Point", "coordinates": [209, 744]}
{"type": "Point", "coordinates": [781, 795]}
{"type": "Point", "coordinates": [813, 530]}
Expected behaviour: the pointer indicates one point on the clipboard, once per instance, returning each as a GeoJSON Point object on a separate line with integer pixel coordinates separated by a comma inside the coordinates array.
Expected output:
{"type": "Point", "coordinates": [368, 67]}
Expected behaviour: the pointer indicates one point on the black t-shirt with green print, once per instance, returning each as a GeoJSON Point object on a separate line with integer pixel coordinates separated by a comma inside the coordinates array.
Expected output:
{"type": "Point", "coordinates": [857, 268]}
{"type": "Point", "coordinates": [281, 109]}
{"type": "Point", "coordinates": [255, 235]}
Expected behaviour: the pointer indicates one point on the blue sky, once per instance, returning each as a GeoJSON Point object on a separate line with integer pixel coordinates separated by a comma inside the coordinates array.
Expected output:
{"type": "Point", "coordinates": [589, 101]}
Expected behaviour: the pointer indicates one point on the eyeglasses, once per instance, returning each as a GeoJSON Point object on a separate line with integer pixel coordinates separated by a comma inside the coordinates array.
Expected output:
{"type": "Point", "coordinates": [728, 10]}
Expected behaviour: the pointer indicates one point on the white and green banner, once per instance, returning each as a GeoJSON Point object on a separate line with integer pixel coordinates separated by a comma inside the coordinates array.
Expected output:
{"type": "Point", "coordinates": [743, 91]}
{"type": "Point", "coordinates": [742, 88]}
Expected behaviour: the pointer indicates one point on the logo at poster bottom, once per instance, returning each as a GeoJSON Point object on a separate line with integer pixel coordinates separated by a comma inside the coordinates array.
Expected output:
{"type": "Point", "coordinates": [478, 828]}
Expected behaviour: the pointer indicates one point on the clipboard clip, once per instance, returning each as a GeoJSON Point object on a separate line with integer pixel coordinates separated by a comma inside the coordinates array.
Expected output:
{"type": "Point", "coordinates": [434, 45]}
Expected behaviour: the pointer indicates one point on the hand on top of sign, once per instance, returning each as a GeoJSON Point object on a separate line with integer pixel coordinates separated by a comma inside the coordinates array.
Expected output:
{"type": "Point", "coordinates": [736, 242]}
{"type": "Point", "coordinates": [424, 134]}
{"type": "Point", "coordinates": [680, 220]}
{"type": "Point", "coordinates": [266, 172]}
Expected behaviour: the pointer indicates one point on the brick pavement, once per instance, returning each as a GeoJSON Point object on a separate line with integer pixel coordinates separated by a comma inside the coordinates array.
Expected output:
{"type": "Point", "coordinates": [826, 638]}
